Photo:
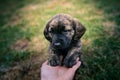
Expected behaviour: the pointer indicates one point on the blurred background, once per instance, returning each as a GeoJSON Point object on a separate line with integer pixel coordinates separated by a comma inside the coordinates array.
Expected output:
{"type": "Point", "coordinates": [23, 47]}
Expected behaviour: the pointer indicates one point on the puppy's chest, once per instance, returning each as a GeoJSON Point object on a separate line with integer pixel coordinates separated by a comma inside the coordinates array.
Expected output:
{"type": "Point", "coordinates": [62, 55]}
{"type": "Point", "coordinates": [62, 52]}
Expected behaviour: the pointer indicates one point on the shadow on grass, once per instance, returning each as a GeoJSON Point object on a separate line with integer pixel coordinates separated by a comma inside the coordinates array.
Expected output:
{"type": "Point", "coordinates": [104, 57]}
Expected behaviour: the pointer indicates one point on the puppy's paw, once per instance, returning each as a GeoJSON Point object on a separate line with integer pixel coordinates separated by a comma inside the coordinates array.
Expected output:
{"type": "Point", "coordinates": [69, 62]}
{"type": "Point", "coordinates": [54, 61]}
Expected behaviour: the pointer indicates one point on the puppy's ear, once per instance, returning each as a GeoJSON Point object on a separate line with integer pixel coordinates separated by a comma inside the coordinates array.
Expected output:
{"type": "Point", "coordinates": [79, 29]}
{"type": "Point", "coordinates": [46, 32]}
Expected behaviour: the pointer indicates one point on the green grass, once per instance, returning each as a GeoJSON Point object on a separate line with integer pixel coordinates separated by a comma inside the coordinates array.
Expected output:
{"type": "Point", "coordinates": [22, 23]}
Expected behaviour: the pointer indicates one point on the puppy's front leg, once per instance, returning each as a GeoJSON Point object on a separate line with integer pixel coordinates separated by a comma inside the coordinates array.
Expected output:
{"type": "Point", "coordinates": [54, 58]}
{"type": "Point", "coordinates": [71, 57]}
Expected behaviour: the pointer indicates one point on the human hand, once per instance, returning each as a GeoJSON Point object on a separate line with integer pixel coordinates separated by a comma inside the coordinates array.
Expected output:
{"type": "Point", "coordinates": [58, 72]}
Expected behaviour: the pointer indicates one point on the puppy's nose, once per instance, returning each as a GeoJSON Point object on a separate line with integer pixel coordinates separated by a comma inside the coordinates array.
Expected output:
{"type": "Point", "coordinates": [57, 44]}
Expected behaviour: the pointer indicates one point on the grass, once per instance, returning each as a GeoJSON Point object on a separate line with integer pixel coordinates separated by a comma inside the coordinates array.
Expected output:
{"type": "Point", "coordinates": [22, 24]}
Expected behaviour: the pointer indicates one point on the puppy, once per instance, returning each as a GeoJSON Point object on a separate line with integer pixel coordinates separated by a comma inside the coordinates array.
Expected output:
{"type": "Point", "coordinates": [64, 34]}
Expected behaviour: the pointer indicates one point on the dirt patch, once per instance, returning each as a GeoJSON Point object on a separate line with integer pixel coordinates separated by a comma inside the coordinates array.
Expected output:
{"type": "Point", "coordinates": [20, 45]}
{"type": "Point", "coordinates": [26, 70]}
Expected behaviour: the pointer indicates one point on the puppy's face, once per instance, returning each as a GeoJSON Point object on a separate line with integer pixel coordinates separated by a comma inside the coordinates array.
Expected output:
{"type": "Point", "coordinates": [61, 30]}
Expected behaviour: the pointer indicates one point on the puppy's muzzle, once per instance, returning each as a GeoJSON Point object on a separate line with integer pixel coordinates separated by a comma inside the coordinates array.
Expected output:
{"type": "Point", "coordinates": [58, 43]}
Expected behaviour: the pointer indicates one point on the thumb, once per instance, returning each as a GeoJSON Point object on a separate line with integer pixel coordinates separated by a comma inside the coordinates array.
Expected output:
{"type": "Point", "coordinates": [76, 66]}
{"type": "Point", "coordinates": [71, 71]}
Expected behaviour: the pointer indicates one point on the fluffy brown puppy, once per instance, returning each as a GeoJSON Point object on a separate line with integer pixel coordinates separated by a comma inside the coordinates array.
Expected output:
{"type": "Point", "coordinates": [64, 34]}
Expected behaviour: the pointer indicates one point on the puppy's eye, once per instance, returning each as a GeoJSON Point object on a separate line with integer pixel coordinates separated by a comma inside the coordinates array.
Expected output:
{"type": "Point", "coordinates": [69, 30]}
{"type": "Point", "coordinates": [51, 30]}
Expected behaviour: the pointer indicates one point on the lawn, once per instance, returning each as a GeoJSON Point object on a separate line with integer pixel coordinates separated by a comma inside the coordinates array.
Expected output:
{"type": "Point", "coordinates": [23, 47]}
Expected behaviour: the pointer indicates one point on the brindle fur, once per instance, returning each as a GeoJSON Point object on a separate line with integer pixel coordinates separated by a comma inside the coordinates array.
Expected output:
{"type": "Point", "coordinates": [69, 54]}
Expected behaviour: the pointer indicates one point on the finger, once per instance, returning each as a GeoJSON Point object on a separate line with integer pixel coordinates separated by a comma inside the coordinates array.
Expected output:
{"type": "Point", "coordinates": [76, 66]}
{"type": "Point", "coordinates": [77, 59]}
{"type": "Point", "coordinates": [45, 63]}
